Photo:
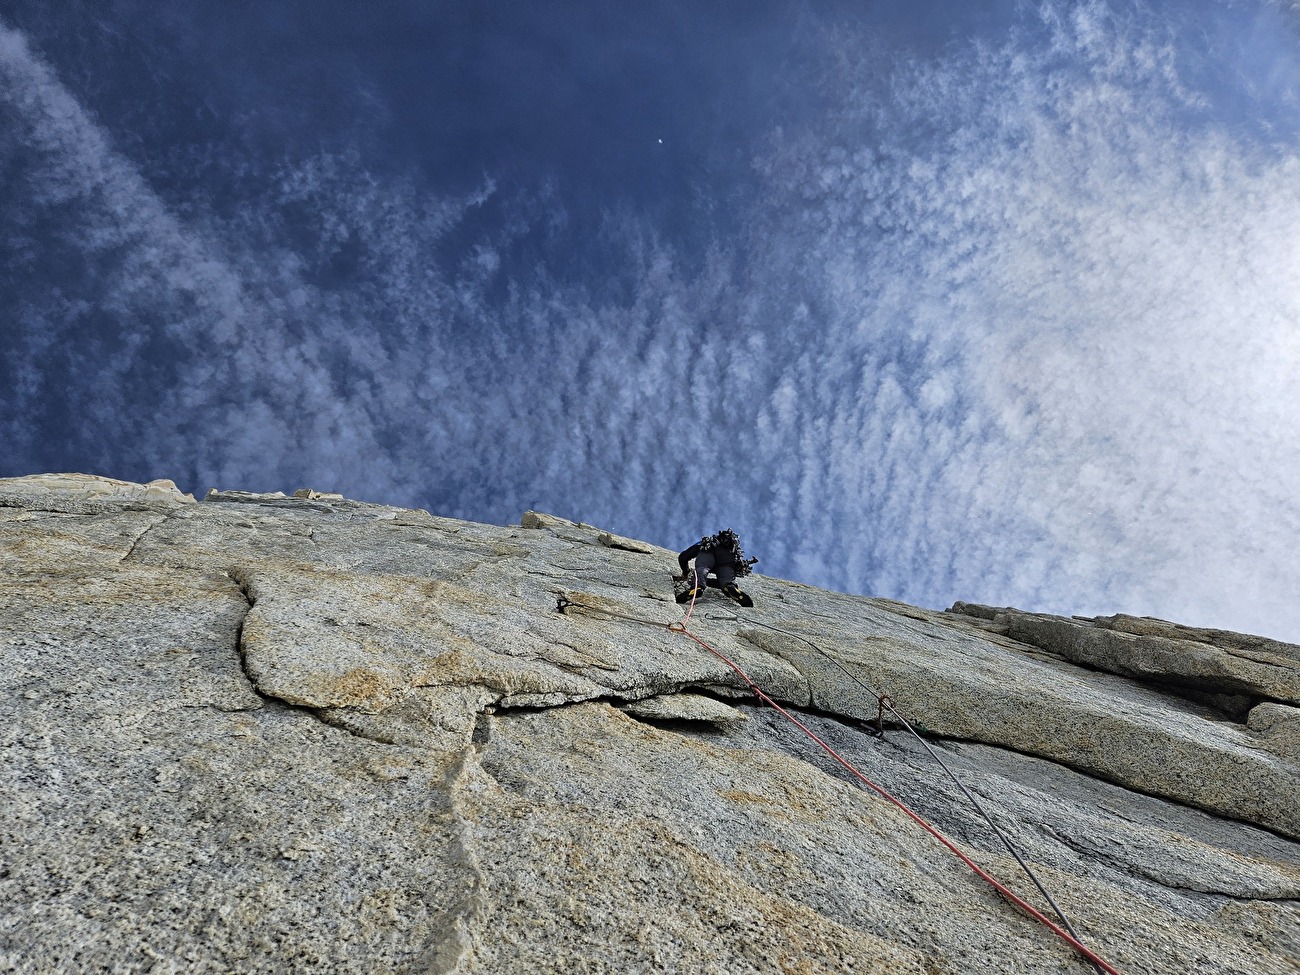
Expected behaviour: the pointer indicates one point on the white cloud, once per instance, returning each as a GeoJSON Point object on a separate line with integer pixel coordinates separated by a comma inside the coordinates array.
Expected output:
{"type": "Point", "coordinates": [1116, 285]}
{"type": "Point", "coordinates": [1020, 332]}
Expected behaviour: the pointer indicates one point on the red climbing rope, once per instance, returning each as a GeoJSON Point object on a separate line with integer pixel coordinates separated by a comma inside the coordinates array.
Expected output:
{"type": "Point", "coordinates": [1024, 905]}
{"type": "Point", "coordinates": [695, 584]}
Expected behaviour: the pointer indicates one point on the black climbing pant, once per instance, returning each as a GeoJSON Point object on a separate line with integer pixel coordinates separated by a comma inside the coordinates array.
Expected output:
{"type": "Point", "coordinates": [706, 562]}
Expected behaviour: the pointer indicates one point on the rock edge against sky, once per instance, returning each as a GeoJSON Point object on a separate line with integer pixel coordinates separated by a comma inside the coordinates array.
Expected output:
{"type": "Point", "coordinates": [268, 733]}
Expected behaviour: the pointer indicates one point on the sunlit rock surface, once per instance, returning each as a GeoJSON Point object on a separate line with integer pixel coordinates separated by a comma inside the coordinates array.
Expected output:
{"type": "Point", "coordinates": [307, 734]}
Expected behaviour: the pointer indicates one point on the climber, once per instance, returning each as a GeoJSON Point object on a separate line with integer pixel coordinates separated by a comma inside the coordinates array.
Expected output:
{"type": "Point", "coordinates": [718, 561]}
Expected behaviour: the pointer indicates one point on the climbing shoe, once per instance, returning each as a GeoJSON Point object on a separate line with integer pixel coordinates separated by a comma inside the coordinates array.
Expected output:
{"type": "Point", "coordinates": [734, 592]}
{"type": "Point", "coordinates": [686, 595]}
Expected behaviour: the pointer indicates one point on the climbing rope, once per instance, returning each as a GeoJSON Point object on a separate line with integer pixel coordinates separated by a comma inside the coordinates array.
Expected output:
{"type": "Point", "coordinates": [1065, 933]}
{"type": "Point", "coordinates": [695, 583]}
{"type": "Point", "coordinates": [1006, 892]}
{"type": "Point", "coordinates": [883, 703]}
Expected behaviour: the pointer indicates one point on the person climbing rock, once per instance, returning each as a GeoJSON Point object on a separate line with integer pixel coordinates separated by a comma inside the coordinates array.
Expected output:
{"type": "Point", "coordinates": [718, 561]}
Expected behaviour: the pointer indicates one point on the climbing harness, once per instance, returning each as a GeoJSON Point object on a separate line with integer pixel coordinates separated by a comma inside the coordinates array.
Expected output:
{"type": "Point", "coordinates": [1064, 931]}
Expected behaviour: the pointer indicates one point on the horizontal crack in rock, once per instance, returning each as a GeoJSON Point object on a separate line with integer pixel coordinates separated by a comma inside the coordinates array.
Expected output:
{"type": "Point", "coordinates": [1117, 783]}
{"type": "Point", "coordinates": [1133, 870]}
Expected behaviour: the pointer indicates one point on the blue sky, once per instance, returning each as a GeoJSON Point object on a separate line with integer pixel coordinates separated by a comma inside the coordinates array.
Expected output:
{"type": "Point", "coordinates": [996, 302]}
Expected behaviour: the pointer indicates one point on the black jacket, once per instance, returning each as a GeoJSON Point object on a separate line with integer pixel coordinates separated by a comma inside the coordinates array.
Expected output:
{"type": "Point", "coordinates": [722, 554]}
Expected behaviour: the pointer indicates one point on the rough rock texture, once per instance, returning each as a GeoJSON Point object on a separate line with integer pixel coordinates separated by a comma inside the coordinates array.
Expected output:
{"type": "Point", "coordinates": [684, 706]}
{"type": "Point", "coordinates": [1213, 662]}
{"type": "Point", "coordinates": [292, 734]}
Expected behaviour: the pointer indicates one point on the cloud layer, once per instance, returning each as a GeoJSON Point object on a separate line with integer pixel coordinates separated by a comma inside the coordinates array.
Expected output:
{"type": "Point", "coordinates": [1015, 323]}
{"type": "Point", "coordinates": [1071, 298]}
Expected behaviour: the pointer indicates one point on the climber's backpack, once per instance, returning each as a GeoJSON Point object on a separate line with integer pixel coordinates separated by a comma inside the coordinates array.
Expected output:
{"type": "Point", "coordinates": [727, 544]}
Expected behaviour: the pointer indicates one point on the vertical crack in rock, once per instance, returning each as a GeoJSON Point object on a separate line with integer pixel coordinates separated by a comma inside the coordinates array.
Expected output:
{"type": "Point", "coordinates": [462, 921]}
{"type": "Point", "coordinates": [459, 922]}
{"type": "Point", "coordinates": [240, 579]}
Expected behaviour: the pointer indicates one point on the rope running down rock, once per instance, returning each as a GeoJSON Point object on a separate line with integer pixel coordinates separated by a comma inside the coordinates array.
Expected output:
{"type": "Point", "coordinates": [1065, 933]}
{"type": "Point", "coordinates": [884, 702]}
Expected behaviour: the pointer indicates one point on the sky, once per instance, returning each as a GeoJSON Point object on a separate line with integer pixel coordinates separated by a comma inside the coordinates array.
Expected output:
{"type": "Point", "coordinates": [995, 302]}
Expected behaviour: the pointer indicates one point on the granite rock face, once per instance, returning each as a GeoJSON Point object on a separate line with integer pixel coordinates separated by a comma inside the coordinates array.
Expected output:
{"type": "Point", "coordinates": [302, 733]}
{"type": "Point", "coordinates": [1224, 667]}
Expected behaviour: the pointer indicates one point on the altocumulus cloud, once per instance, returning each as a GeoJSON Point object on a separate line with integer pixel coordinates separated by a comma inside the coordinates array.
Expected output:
{"type": "Point", "coordinates": [1014, 324]}
{"type": "Point", "coordinates": [1071, 300]}
{"type": "Point", "coordinates": [207, 346]}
